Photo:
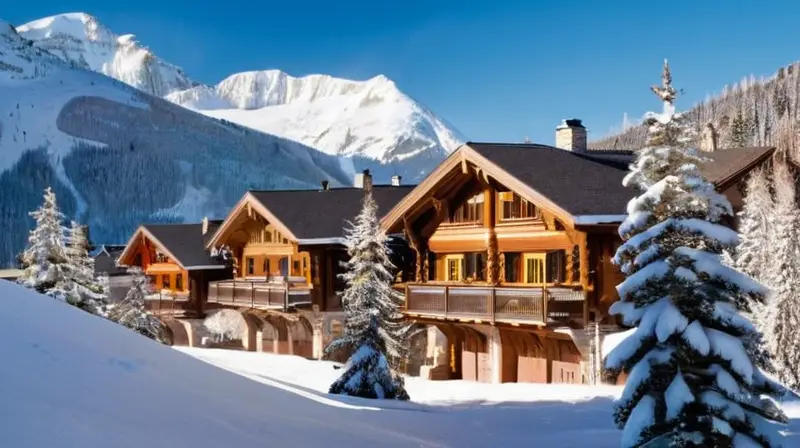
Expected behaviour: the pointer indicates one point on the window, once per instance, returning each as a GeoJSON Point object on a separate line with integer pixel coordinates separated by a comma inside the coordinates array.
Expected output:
{"type": "Point", "coordinates": [470, 212]}
{"type": "Point", "coordinates": [165, 281]}
{"type": "Point", "coordinates": [267, 269]}
{"type": "Point", "coordinates": [511, 267]}
{"type": "Point", "coordinates": [151, 280]}
{"type": "Point", "coordinates": [535, 268]}
{"type": "Point", "coordinates": [137, 260]}
{"type": "Point", "coordinates": [453, 267]}
{"type": "Point", "coordinates": [517, 208]}
{"type": "Point", "coordinates": [475, 266]}
{"type": "Point", "coordinates": [556, 266]}
{"type": "Point", "coordinates": [251, 265]}
{"type": "Point", "coordinates": [267, 237]}
{"type": "Point", "coordinates": [179, 282]}
{"type": "Point", "coordinates": [161, 258]}
{"type": "Point", "coordinates": [296, 268]}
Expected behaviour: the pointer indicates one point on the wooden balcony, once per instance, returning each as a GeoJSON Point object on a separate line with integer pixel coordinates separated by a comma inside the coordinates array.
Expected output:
{"type": "Point", "coordinates": [175, 304]}
{"type": "Point", "coordinates": [535, 305]}
{"type": "Point", "coordinates": [259, 294]}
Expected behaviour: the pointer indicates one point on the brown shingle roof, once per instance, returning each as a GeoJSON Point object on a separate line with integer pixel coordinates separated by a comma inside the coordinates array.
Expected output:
{"type": "Point", "coordinates": [185, 241]}
{"type": "Point", "coordinates": [579, 184]}
{"type": "Point", "coordinates": [586, 185]}
{"type": "Point", "coordinates": [325, 213]}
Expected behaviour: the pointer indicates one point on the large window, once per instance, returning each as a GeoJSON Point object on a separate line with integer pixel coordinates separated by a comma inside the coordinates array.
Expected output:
{"type": "Point", "coordinates": [511, 267]}
{"type": "Point", "coordinates": [470, 212]}
{"type": "Point", "coordinates": [251, 266]}
{"type": "Point", "coordinates": [514, 207]}
{"type": "Point", "coordinates": [468, 266]}
{"type": "Point", "coordinates": [179, 282]}
{"type": "Point", "coordinates": [452, 267]}
{"type": "Point", "coordinates": [165, 281]}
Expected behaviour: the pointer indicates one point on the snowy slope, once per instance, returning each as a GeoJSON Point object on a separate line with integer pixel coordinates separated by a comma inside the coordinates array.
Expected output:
{"type": "Point", "coordinates": [371, 121]}
{"type": "Point", "coordinates": [468, 413]}
{"type": "Point", "coordinates": [118, 157]}
{"type": "Point", "coordinates": [80, 39]}
{"type": "Point", "coordinates": [370, 118]}
{"type": "Point", "coordinates": [75, 380]}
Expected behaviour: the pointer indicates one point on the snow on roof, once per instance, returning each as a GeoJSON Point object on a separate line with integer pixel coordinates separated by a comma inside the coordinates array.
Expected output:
{"type": "Point", "coordinates": [98, 384]}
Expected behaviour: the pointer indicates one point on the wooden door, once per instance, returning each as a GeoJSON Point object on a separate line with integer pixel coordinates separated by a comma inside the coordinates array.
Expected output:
{"type": "Point", "coordinates": [469, 363]}
{"type": "Point", "coordinates": [535, 268]}
{"type": "Point", "coordinates": [531, 370]}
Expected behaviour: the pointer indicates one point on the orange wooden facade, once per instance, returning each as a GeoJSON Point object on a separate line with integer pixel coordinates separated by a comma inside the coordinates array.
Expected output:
{"type": "Point", "coordinates": [164, 272]}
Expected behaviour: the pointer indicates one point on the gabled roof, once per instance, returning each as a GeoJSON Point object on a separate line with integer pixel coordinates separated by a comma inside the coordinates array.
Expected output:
{"type": "Point", "coordinates": [184, 243]}
{"type": "Point", "coordinates": [580, 188]}
{"type": "Point", "coordinates": [105, 260]}
{"type": "Point", "coordinates": [313, 216]}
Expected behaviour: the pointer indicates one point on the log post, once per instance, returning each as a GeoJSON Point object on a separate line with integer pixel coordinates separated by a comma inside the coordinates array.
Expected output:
{"type": "Point", "coordinates": [492, 252]}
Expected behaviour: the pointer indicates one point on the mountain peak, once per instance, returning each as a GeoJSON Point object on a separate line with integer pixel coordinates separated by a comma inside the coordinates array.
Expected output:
{"type": "Point", "coordinates": [80, 39]}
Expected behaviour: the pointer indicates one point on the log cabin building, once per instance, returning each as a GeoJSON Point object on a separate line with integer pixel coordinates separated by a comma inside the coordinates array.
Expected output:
{"type": "Point", "coordinates": [513, 246]}
{"type": "Point", "coordinates": [287, 249]}
{"type": "Point", "coordinates": [174, 258]}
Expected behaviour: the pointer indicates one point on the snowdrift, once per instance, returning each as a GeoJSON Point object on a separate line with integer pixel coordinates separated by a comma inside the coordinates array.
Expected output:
{"type": "Point", "coordinates": [74, 380]}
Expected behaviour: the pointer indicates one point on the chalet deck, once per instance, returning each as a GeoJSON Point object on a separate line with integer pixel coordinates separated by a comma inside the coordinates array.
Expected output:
{"type": "Point", "coordinates": [260, 294]}
{"type": "Point", "coordinates": [532, 305]}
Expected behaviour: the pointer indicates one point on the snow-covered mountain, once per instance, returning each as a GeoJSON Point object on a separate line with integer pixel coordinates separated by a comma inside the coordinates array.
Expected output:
{"type": "Point", "coordinates": [372, 118]}
{"type": "Point", "coordinates": [371, 121]}
{"type": "Point", "coordinates": [118, 157]}
{"type": "Point", "coordinates": [80, 39]}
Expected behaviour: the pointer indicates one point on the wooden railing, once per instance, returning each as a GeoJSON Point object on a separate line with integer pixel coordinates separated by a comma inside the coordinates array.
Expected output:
{"type": "Point", "coordinates": [259, 294]}
{"type": "Point", "coordinates": [540, 305]}
{"type": "Point", "coordinates": [160, 303]}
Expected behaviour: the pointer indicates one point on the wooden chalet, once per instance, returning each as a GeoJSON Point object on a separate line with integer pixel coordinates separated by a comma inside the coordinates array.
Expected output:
{"type": "Point", "coordinates": [287, 247]}
{"type": "Point", "coordinates": [174, 258]}
{"type": "Point", "coordinates": [513, 246]}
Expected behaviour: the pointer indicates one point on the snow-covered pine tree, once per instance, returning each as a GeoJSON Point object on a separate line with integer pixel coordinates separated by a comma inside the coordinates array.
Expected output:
{"type": "Point", "coordinates": [374, 327]}
{"type": "Point", "coordinates": [45, 262]}
{"type": "Point", "coordinates": [86, 292]}
{"type": "Point", "coordinates": [753, 252]}
{"type": "Point", "coordinates": [691, 380]}
{"type": "Point", "coordinates": [781, 319]}
{"type": "Point", "coordinates": [131, 311]}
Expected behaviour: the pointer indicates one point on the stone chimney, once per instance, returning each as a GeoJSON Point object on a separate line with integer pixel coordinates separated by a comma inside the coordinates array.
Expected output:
{"type": "Point", "coordinates": [325, 185]}
{"type": "Point", "coordinates": [363, 180]}
{"type": "Point", "coordinates": [205, 225]}
{"type": "Point", "coordinates": [571, 135]}
{"type": "Point", "coordinates": [396, 180]}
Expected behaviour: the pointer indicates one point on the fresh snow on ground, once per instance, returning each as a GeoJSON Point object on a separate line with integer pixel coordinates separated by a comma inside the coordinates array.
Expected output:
{"type": "Point", "coordinates": [471, 414]}
{"type": "Point", "coordinates": [75, 380]}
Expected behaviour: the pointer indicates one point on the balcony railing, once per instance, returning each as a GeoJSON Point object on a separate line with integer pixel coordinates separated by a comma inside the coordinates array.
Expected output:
{"type": "Point", "coordinates": [540, 305]}
{"type": "Point", "coordinates": [259, 294]}
{"type": "Point", "coordinates": [173, 304]}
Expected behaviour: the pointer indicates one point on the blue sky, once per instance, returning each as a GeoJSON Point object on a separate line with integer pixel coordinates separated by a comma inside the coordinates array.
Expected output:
{"type": "Point", "coordinates": [496, 70]}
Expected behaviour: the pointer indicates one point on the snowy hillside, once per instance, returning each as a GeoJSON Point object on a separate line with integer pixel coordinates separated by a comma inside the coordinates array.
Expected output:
{"type": "Point", "coordinates": [75, 380]}
{"type": "Point", "coordinates": [117, 157]}
{"type": "Point", "coordinates": [371, 121]}
{"type": "Point", "coordinates": [80, 39]}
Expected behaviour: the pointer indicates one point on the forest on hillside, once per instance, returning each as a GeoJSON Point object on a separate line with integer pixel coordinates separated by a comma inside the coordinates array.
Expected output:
{"type": "Point", "coordinates": [754, 112]}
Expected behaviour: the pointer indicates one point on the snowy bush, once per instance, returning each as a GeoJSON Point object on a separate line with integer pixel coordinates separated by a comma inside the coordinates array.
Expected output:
{"type": "Point", "coordinates": [374, 327]}
{"type": "Point", "coordinates": [226, 325]}
{"type": "Point", "coordinates": [692, 378]}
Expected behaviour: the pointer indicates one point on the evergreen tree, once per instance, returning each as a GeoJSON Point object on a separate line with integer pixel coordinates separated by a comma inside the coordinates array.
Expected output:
{"type": "Point", "coordinates": [86, 292]}
{"type": "Point", "coordinates": [374, 327]}
{"type": "Point", "coordinates": [781, 322]}
{"type": "Point", "coordinates": [741, 131]}
{"type": "Point", "coordinates": [692, 381]}
{"type": "Point", "coordinates": [756, 228]}
{"type": "Point", "coordinates": [132, 312]}
{"type": "Point", "coordinates": [45, 261]}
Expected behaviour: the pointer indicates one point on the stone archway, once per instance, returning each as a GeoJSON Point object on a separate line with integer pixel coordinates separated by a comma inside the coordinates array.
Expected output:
{"type": "Point", "coordinates": [302, 337]}
{"type": "Point", "coordinates": [175, 332]}
{"type": "Point", "coordinates": [280, 337]}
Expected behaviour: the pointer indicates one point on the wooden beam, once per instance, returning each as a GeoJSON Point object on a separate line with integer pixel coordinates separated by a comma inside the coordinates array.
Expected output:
{"type": "Point", "coordinates": [489, 219]}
